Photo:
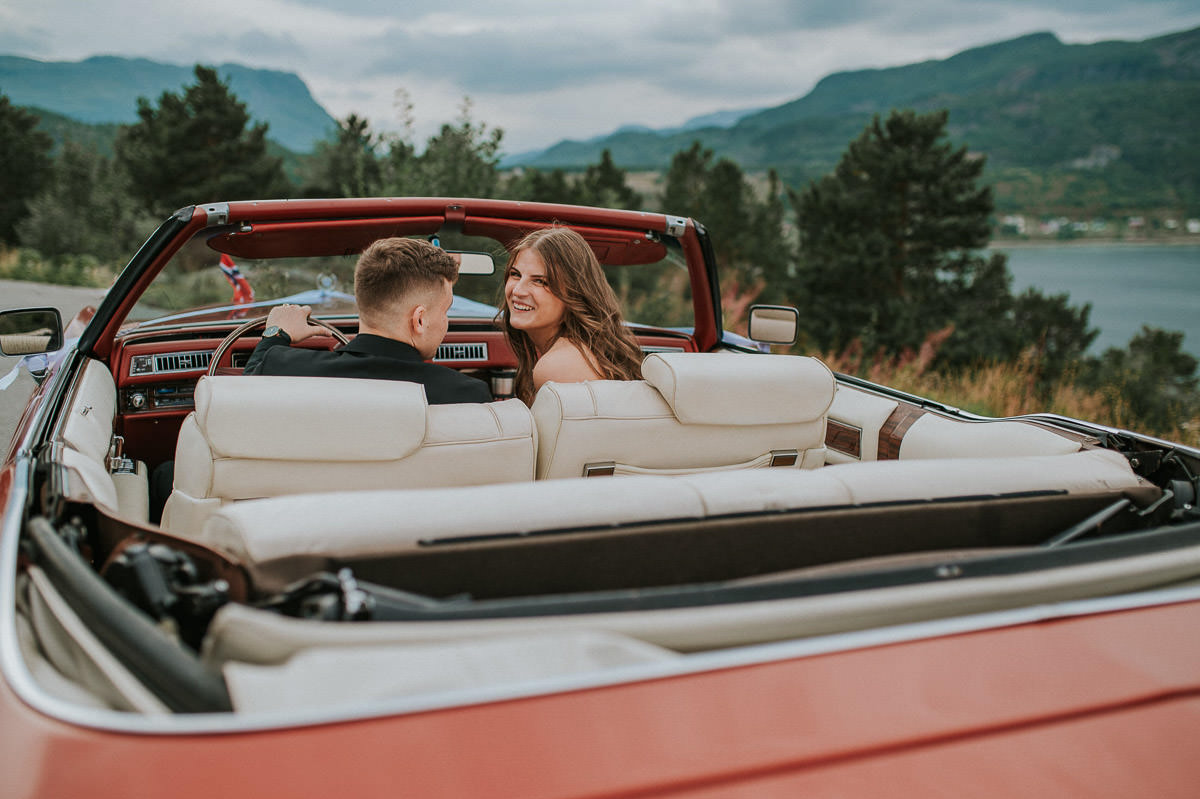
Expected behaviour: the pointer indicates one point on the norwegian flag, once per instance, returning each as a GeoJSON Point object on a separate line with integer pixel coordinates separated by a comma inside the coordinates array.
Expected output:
{"type": "Point", "coordinates": [242, 292]}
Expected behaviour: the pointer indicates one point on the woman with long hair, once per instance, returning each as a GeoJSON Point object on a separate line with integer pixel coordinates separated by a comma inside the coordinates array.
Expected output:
{"type": "Point", "coordinates": [561, 317]}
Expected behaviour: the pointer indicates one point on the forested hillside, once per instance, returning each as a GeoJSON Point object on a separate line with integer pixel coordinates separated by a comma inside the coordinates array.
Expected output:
{"type": "Point", "coordinates": [1106, 126]}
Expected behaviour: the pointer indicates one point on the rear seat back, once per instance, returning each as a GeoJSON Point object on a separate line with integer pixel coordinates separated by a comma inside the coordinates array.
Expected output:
{"type": "Point", "coordinates": [693, 412]}
{"type": "Point", "coordinates": [265, 436]}
{"type": "Point", "coordinates": [282, 539]}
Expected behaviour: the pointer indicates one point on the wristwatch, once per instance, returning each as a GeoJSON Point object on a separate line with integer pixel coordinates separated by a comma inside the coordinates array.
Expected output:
{"type": "Point", "coordinates": [272, 331]}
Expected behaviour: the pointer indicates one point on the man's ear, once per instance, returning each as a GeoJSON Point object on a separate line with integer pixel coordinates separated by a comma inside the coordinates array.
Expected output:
{"type": "Point", "coordinates": [416, 320]}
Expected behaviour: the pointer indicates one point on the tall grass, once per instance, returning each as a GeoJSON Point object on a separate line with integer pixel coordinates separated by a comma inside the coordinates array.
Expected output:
{"type": "Point", "coordinates": [1003, 389]}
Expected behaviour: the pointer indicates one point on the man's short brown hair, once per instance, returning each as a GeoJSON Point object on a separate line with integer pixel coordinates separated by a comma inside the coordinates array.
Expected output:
{"type": "Point", "coordinates": [392, 269]}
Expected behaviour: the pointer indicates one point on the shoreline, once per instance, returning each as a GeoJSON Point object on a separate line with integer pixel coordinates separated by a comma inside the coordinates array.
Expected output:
{"type": "Point", "coordinates": [1098, 241]}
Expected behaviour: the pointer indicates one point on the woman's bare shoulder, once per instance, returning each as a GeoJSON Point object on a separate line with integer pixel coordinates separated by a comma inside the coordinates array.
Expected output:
{"type": "Point", "coordinates": [564, 362]}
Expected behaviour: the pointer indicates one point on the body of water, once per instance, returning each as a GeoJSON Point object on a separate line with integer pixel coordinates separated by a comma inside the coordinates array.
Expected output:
{"type": "Point", "coordinates": [1128, 285]}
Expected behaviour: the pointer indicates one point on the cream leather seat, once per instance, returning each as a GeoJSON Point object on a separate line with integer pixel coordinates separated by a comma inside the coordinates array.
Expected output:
{"type": "Point", "coordinates": [254, 437]}
{"type": "Point", "coordinates": [280, 539]}
{"type": "Point", "coordinates": [87, 439]}
{"type": "Point", "coordinates": [692, 412]}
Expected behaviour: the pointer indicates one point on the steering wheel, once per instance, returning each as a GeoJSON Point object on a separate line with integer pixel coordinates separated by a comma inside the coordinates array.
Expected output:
{"type": "Point", "coordinates": [241, 329]}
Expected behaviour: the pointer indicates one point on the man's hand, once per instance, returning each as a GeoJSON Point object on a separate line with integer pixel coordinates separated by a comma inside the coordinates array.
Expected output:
{"type": "Point", "coordinates": [293, 320]}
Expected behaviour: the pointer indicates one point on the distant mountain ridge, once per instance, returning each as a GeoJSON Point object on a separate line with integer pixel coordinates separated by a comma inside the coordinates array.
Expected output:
{"type": "Point", "coordinates": [1031, 102]}
{"type": "Point", "coordinates": [104, 89]}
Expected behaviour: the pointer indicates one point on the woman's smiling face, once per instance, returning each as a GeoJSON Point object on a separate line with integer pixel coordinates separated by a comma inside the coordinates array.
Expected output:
{"type": "Point", "coordinates": [532, 307]}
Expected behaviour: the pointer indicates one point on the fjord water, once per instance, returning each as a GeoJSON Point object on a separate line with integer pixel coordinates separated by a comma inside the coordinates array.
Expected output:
{"type": "Point", "coordinates": [1128, 285]}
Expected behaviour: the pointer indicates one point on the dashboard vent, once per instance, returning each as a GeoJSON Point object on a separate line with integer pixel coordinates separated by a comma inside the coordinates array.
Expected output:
{"type": "Point", "coordinates": [462, 352]}
{"type": "Point", "coordinates": [182, 361]}
{"type": "Point", "coordinates": [170, 362]}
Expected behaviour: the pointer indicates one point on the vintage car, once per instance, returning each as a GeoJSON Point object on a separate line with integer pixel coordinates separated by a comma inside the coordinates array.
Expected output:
{"type": "Point", "coordinates": [742, 575]}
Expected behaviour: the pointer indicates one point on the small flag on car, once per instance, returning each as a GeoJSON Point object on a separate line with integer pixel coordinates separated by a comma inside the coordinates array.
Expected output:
{"type": "Point", "coordinates": [242, 292]}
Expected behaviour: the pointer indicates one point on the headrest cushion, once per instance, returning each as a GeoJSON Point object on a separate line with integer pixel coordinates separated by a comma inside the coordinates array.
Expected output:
{"type": "Point", "coordinates": [740, 389]}
{"type": "Point", "coordinates": [310, 418]}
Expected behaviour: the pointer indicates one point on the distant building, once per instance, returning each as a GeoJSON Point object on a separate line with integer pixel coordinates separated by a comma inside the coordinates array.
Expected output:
{"type": "Point", "coordinates": [1013, 224]}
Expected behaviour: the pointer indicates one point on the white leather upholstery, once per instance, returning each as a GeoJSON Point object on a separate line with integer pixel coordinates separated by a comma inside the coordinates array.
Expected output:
{"type": "Point", "coordinates": [315, 528]}
{"type": "Point", "coordinates": [693, 412]}
{"type": "Point", "coordinates": [252, 437]}
{"type": "Point", "coordinates": [725, 388]}
{"type": "Point", "coordinates": [934, 436]}
{"type": "Point", "coordinates": [86, 436]}
{"type": "Point", "coordinates": [88, 428]}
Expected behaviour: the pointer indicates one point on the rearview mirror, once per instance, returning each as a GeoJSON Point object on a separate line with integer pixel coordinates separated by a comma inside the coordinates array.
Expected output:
{"type": "Point", "coordinates": [774, 324]}
{"type": "Point", "coordinates": [474, 263]}
{"type": "Point", "coordinates": [30, 331]}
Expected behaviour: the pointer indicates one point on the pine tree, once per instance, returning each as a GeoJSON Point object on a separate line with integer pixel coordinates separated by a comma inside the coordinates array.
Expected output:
{"type": "Point", "coordinates": [534, 185]}
{"type": "Point", "coordinates": [604, 185]}
{"type": "Point", "coordinates": [195, 147]}
{"type": "Point", "coordinates": [24, 164]}
{"type": "Point", "coordinates": [748, 233]}
{"type": "Point", "coordinates": [348, 165]}
{"type": "Point", "coordinates": [891, 252]}
{"type": "Point", "coordinates": [888, 242]}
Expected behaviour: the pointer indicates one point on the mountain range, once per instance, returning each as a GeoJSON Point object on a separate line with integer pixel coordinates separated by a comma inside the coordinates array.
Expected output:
{"type": "Point", "coordinates": [1100, 120]}
{"type": "Point", "coordinates": [1074, 124]}
{"type": "Point", "coordinates": [104, 90]}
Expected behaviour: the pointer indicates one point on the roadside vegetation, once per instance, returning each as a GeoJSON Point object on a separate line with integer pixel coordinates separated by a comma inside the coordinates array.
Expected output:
{"type": "Point", "coordinates": [886, 257]}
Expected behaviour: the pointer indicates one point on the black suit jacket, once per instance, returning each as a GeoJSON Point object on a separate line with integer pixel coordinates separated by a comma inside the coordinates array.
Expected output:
{"type": "Point", "coordinates": [367, 356]}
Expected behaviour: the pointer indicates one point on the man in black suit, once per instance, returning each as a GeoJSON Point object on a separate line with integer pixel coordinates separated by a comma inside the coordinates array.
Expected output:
{"type": "Point", "coordinates": [403, 288]}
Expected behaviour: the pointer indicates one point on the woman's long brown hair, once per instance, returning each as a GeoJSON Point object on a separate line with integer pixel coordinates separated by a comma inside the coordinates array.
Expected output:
{"type": "Point", "coordinates": [591, 316]}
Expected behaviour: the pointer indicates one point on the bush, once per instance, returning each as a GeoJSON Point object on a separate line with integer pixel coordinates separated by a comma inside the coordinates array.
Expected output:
{"type": "Point", "coordinates": [66, 270]}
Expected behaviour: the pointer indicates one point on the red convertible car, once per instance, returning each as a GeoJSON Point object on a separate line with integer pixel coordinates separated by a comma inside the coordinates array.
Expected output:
{"type": "Point", "coordinates": [742, 575]}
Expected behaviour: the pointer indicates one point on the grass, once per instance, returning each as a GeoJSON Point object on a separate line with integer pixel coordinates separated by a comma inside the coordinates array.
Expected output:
{"type": "Point", "coordinates": [1003, 389]}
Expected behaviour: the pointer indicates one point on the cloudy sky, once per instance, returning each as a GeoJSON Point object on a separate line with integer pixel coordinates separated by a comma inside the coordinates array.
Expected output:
{"type": "Point", "coordinates": [546, 71]}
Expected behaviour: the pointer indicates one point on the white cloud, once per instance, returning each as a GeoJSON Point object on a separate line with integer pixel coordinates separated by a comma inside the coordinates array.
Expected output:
{"type": "Point", "coordinates": [573, 69]}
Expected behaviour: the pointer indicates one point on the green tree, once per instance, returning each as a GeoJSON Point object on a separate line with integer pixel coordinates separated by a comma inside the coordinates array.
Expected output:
{"type": "Point", "coordinates": [535, 185]}
{"type": "Point", "coordinates": [604, 186]}
{"type": "Point", "coordinates": [1056, 333]}
{"type": "Point", "coordinates": [888, 242]}
{"type": "Point", "coordinates": [24, 164]}
{"type": "Point", "coordinates": [1153, 377]}
{"type": "Point", "coordinates": [195, 147]}
{"type": "Point", "coordinates": [460, 161]}
{"type": "Point", "coordinates": [768, 255]}
{"type": "Point", "coordinates": [686, 182]}
{"type": "Point", "coordinates": [84, 209]}
{"type": "Point", "coordinates": [748, 232]}
{"type": "Point", "coordinates": [348, 165]}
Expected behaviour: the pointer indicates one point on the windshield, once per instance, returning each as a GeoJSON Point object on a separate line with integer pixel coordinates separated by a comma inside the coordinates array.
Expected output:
{"type": "Point", "coordinates": [200, 283]}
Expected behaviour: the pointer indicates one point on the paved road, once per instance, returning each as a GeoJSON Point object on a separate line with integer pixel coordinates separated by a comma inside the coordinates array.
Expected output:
{"type": "Point", "coordinates": [21, 294]}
